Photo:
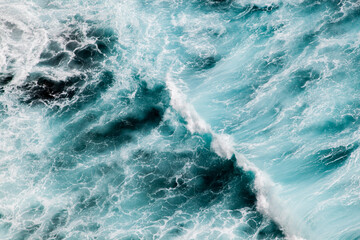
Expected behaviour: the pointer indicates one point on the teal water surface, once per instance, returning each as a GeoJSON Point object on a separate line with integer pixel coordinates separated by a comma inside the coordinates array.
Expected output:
{"type": "Point", "coordinates": [199, 119]}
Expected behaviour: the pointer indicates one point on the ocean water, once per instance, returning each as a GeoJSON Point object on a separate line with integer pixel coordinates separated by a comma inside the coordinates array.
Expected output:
{"type": "Point", "coordinates": [171, 119]}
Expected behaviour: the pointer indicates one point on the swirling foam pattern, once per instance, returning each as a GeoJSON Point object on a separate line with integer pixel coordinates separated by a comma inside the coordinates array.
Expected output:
{"type": "Point", "coordinates": [164, 119]}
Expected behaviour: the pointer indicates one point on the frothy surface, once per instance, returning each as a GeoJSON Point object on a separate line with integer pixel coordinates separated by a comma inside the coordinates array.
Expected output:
{"type": "Point", "coordinates": [162, 119]}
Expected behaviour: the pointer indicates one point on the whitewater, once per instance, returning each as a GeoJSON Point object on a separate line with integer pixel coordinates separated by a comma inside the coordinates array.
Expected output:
{"type": "Point", "coordinates": [171, 119]}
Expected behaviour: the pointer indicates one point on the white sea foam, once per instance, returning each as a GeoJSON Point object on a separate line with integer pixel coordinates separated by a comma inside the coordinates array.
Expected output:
{"type": "Point", "coordinates": [21, 39]}
{"type": "Point", "coordinates": [194, 122]}
{"type": "Point", "coordinates": [223, 145]}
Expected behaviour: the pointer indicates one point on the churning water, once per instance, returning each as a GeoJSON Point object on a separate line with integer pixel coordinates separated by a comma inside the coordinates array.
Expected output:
{"type": "Point", "coordinates": [172, 119]}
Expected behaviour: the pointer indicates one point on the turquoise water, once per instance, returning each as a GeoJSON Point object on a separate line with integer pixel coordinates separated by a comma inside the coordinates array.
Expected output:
{"type": "Point", "coordinates": [199, 119]}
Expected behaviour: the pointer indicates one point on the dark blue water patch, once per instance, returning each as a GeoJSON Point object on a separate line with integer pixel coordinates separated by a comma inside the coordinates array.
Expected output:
{"type": "Point", "coordinates": [5, 78]}
{"type": "Point", "coordinates": [309, 39]}
{"type": "Point", "coordinates": [273, 63]}
{"type": "Point", "coordinates": [78, 55]}
{"type": "Point", "coordinates": [53, 55]}
{"type": "Point", "coordinates": [93, 91]}
{"type": "Point", "coordinates": [72, 45]}
{"type": "Point", "coordinates": [210, 180]}
{"type": "Point", "coordinates": [147, 113]}
{"type": "Point", "coordinates": [119, 131]}
{"type": "Point", "coordinates": [198, 188]}
{"type": "Point", "coordinates": [253, 224]}
{"type": "Point", "coordinates": [233, 5]}
{"type": "Point", "coordinates": [301, 78]}
{"type": "Point", "coordinates": [197, 62]}
{"type": "Point", "coordinates": [325, 161]}
{"type": "Point", "coordinates": [332, 158]}
{"type": "Point", "coordinates": [335, 125]}
{"type": "Point", "coordinates": [43, 88]}
{"type": "Point", "coordinates": [94, 30]}
{"type": "Point", "coordinates": [140, 114]}
{"type": "Point", "coordinates": [259, 227]}
{"type": "Point", "coordinates": [146, 96]}
{"type": "Point", "coordinates": [264, 32]}
{"type": "Point", "coordinates": [40, 88]}
{"type": "Point", "coordinates": [87, 57]}
{"type": "Point", "coordinates": [270, 231]}
{"type": "Point", "coordinates": [204, 63]}
{"type": "Point", "coordinates": [52, 49]}
{"type": "Point", "coordinates": [106, 39]}
{"type": "Point", "coordinates": [267, 8]}
{"type": "Point", "coordinates": [56, 60]}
